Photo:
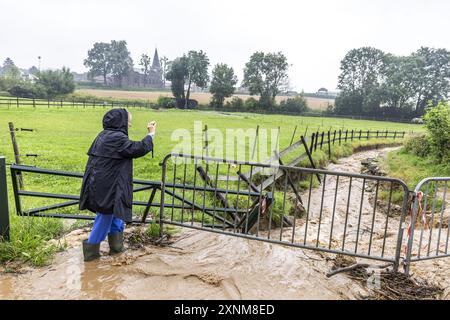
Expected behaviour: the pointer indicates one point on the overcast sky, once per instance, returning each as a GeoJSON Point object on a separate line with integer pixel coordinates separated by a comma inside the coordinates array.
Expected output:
{"type": "Point", "coordinates": [314, 35]}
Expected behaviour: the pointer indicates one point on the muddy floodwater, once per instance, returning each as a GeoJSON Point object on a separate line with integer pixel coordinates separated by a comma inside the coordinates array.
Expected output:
{"type": "Point", "coordinates": [203, 265]}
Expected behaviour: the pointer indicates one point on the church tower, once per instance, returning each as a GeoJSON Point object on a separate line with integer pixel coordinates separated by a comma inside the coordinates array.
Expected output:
{"type": "Point", "coordinates": [156, 63]}
{"type": "Point", "coordinates": [156, 72]}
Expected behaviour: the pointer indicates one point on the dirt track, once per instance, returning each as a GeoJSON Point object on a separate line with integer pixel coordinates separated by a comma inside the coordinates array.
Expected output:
{"type": "Point", "coordinates": [201, 265]}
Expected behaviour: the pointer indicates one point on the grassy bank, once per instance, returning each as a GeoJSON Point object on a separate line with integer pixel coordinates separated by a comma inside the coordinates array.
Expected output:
{"type": "Point", "coordinates": [411, 168]}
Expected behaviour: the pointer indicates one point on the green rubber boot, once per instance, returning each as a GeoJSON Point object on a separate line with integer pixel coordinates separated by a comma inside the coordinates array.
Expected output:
{"type": "Point", "coordinates": [90, 251]}
{"type": "Point", "coordinates": [115, 241]}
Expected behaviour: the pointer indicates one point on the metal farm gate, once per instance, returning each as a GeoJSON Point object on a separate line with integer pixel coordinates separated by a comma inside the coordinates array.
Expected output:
{"type": "Point", "coordinates": [336, 212]}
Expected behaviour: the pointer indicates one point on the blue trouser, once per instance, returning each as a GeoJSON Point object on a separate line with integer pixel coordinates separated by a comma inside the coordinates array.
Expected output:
{"type": "Point", "coordinates": [104, 224]}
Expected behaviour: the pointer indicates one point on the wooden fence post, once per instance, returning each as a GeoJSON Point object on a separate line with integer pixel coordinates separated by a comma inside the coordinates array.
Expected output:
{"type": "Point", "coordinates": [12, 132]}
{"type": "Point", "coordinates": [321, 140]}
{"type": "Point", "coordinates": [293, 135]}
{"type": "Point", "coordinates": [312, 142]}
{"type": "Point", "coordinates": [206, 146]}
{"type": "Point", "coordinates": [340, 133]}
{"type": "Point", "coordinates": [329, 144]}
{"type": "Point", "coordinates": [316, 141]}
{"type": "Point", "coordinates": [309, 156]}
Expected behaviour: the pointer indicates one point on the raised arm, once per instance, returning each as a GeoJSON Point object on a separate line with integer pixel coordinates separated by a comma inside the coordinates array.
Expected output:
{"type": "Point", "coordinates": [136, 149]}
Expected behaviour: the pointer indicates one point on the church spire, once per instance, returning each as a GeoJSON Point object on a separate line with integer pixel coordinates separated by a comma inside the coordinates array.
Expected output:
{"type": "Point", "coordinates": [156, 63]}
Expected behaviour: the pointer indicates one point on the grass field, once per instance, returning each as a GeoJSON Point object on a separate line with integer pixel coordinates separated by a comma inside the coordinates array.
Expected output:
{"type": "Point", "coordinates": [202, 98]}
{"type": "Point", "coordinates": [62, 137]}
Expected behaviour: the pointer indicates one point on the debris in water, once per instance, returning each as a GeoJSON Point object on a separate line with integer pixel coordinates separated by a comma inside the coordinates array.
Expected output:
{"type": "Point", "coordinates": [140, 236]}
{"type": "Point", "coordinates": [392, 285]}
{"type": "Point", "coordinates": [371, 166]}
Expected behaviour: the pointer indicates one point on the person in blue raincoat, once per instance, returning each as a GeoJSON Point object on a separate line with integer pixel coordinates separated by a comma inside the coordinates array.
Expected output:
{"type": "Point", "coordinates": [107, 187]}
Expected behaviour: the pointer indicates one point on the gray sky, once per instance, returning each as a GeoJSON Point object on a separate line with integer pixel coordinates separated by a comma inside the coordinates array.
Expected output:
{"type": "Point", "coordinates": [314, 35]}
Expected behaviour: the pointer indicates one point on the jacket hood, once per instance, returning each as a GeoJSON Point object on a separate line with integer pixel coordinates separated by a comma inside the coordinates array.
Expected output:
{"type": "Point", "coordinates": [116, 120]}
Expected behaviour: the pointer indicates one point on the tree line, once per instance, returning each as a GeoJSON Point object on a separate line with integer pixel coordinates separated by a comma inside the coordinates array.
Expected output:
{"type": "Point", "coordinates": [265, 74]}
{"type": "Point", "coordinates": [46, 84]}
{"type": "Point", "coordinates": [371, 82]}
{"type": "Point", "coordinates": [376, 83]}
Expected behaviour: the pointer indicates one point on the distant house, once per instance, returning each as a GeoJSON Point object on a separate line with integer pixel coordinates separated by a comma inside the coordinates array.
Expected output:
{"type": "Point", "coordinates": [80, 77]}
{"type": "Point", "coordinates": [291, 93]}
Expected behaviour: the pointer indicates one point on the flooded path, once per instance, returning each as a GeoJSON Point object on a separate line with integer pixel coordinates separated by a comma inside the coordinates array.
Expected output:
{"type": "Point", "coordinates": [203, 265]}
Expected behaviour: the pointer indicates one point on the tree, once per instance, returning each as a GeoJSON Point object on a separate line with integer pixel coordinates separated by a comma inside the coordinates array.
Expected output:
{"type": "Point", "coordinates": [177, 74]}
{"type": "Point", "coordinates": [398, 88]}
{"type": "Point", "coordinates": [362, 69]}
{"type": "Point", "coordinates": [432, 77]}
{"type": "Point", "coordinates": [33, 70]}
{"type": "Point", "coordinates": [165, 64]}
{"type": "Point", "coordinates": [99, 60]}
{"type": "Point", "coordinates": [265, 74]}
{"type": "Point", "coordinates": [222, 84]}
{"type": "Point", "coordinates": [197, 71]}
{"type": "Point", "coordinates": [187, 70]}
{"type": "Point", "coordinates": [362, 73]}
{"type": "Point", "coordinates": [145, 63]}
{"type": "Point", "coordinates": [10, 70]}
{"type": "Point", "coordinates": [56, 82]}
{"type": "Point", "coordinates": [121, 62]}
{"type": "Point", "coordinates": [11, 75]}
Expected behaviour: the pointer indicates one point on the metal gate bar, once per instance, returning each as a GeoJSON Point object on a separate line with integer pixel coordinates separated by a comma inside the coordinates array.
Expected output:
{"type": "Point", "coordinates": [346, 222]}
{"type": "Point", "coordinates": [430, 215]}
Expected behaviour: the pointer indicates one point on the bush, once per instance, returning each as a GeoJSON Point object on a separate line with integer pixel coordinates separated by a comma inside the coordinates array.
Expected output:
{"type": "Point", "coordinates": [251, 104]}
{"type": "Point", "coordinates": [27, 90]}
{"type": "Point", "coordinates": [235, 103]}
{"type": "Point", "coordinates": [437, 121]}
{"type": "Point", "coordinates": [55, 82]}
{"type": "Point", "coordinates": [297, 104]}
{"type": "Point", "coordinates": [419, 145]}
{"type": "Point", "coordinates": [165, 102]}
